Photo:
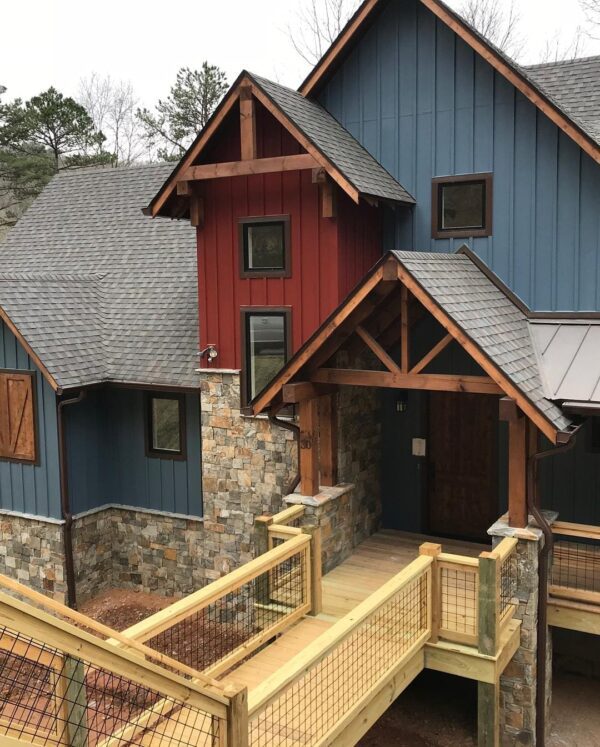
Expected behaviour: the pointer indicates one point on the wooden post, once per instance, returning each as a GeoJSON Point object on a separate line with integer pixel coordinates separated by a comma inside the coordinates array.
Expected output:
{"type": "Point", "coordinates": [197, 211]}
{"type": "Point", "coordinates": [261, 534]}
{"type": "Point", "coordinates": [488, 714]}
{"type": "Point", "coordinates": [328, 199]}
{"type": "Point", "coordinates": [328, 440]}
{"type": "Point", "coordinates": [432, 550]}
{"type": "Point", "coordinates": [517, 472]}
{"type": "Point", "coordinates": [404, 322]}
{"type": "Point", "coordinates": [75, 702]}
{"type": "Point", "coordinates": [247, 125]}
{"type": "Point", "coordinates": [237, 716]}
{"type": "Point", "coordinates": [316, 569]}
{"type": "Point", "coordinates": [489, 603]}
{"type": "Point", "coordinates": [309, 462]}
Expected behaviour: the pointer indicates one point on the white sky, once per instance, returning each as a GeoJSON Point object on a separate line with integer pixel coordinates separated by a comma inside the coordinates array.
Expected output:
{"type": "Point", "coordinates": [56, 42]}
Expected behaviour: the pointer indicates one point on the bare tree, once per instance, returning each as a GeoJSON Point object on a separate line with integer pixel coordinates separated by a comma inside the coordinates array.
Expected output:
{"type": "Point", "coordinates": [500, 25]}
{"type": "Point", "coordinates": [557, 50]}
{"type": "Point", "coordinates": [591, 9]}
{"type": "Point", "coordinates": [112, 106]}
{"type": "Point", "coordinates": [317, 25]}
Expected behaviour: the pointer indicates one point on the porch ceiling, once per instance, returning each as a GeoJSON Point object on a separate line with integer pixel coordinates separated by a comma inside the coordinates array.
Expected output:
{"type": "Point", "coordinates": [465, 298]}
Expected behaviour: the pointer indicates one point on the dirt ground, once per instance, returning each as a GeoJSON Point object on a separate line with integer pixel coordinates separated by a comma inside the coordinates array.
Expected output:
{"type": "Point", "coordinates": [437, 710]}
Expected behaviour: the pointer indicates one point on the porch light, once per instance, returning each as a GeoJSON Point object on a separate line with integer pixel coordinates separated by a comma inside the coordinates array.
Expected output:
{"type": "Point", "coordinates": [210, 351]}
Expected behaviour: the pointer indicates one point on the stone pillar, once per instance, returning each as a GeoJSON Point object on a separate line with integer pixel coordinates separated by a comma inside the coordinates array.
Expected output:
{"type": "Point", "coordinates": [247, 464]}
{"type": "Point", "coordinates": [518, 684]}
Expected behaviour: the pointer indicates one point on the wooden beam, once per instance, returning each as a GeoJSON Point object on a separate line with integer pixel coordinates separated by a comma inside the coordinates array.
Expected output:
{"type": "Point", "coordinates": [246, 168]}
{"type": "Point", "coordinates": [197, 211]}
{"type": "Point", "coordinates": [309, 461]}
{"type": "Point", "coordinates": [300, 390]}
{"type": "Point", "coordinates": [508, 410]}
{"type": "Point", "coordinates": [433, 353]}
{"type": "Point", "coordinates": [488, 714]}
{"type": "Point", "coordinates": [377, 350]}
{"type": "Point", "coordinates": [404, 333]}
{"type": "Point", "coordinates": [328, 199]}
{"type": "Point", "coordinates": [328, 440]}
{"type": "Point", "coordinates": [247, 124]}
{"type": "Point", "coordinates": [388, 380]}
{"type": "Point", "coordinates": [517, 473]}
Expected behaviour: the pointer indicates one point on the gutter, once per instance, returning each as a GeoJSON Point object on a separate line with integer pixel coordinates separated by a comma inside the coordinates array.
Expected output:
{"type": "Point", "coordinates": [65, 502]}
{"type": "Point", "coordinates": [543, 574]}
{"type": "Point", "coordinates": [295, 429]}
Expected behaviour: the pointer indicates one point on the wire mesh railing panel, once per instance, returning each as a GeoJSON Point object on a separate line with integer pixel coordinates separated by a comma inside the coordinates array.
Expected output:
{"type": "Point", "coordinates": [508, 584]}
{"type": "Point", "coordinates": [233, 622]}
{"type": "Point", "coordinates": [50, 698]}
{"type": "Point", "coordinates": [576, 565]}
{"type": "Point", "coordinates": [458, 589]}
{"type": "Point", "coordinates": [314, 704]}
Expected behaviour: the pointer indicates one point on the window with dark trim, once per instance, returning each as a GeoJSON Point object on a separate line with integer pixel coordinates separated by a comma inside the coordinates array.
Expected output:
{"type": "Point", "coordinates": [165, 425]}
{"type": "Point", "coordinates": [461, 206]}
{"type": "Point", "coordinates": [266, 340]}
{"type": "Point", "coordinates": [264, 245]}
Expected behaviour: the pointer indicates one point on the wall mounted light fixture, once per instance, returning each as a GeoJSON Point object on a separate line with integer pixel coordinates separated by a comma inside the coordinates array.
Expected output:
{"type": "Point", "coordinates": [210, 352]}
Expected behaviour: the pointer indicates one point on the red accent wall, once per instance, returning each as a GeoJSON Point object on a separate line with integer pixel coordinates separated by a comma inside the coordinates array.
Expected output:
{"type": "Point", "coordinates": [329, 256]}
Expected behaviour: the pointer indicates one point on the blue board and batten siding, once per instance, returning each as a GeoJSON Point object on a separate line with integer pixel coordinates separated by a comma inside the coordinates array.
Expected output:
{"type": "Point", "coordinates": [424, 104]}
{"type": "Point", "coordinates": [32, 488]}
{"type": "Point", "coordinates": [108, 462]}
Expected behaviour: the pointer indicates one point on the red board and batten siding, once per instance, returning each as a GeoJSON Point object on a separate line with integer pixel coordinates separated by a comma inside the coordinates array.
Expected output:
{"type": "Point", "coordinates": [328, 256]}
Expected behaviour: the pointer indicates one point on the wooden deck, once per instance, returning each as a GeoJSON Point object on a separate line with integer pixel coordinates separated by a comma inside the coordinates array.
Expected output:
{"type": "Point", "coordinates": [372, 563]}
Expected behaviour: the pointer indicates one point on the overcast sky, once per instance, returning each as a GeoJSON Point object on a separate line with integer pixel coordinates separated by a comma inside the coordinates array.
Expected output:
{"type": "Point", "coordinates": [56, 42]}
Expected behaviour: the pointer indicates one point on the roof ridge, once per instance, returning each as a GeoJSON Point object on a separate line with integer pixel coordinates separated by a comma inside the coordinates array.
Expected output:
{"type": "Point", "coordinates": [561, 63]}
{"type": "Point", "coordinates": [52, 276]}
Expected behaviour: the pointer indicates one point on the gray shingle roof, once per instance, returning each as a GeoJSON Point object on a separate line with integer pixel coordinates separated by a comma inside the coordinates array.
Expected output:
{"type": "Point", "coordinates": [100, 291]}
{"type": "Point", "coordinates": [488, 316]}
{"type": "Point", "coordinates": [335, 143]}
{"type": "Point", "coordinates": [575, 86]}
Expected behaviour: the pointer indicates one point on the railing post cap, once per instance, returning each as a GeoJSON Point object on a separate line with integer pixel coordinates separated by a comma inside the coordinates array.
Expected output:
{"type": "Point", "coordinates": [432, 549]}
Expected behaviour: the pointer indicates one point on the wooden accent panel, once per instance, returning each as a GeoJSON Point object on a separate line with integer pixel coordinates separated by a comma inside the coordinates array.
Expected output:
{"type": "Point", "coordinates": [377, 350]}
{"type": "Point", "coordinates": [17, 416]}
{"type": "Point", "coordinates": [246, 168]}
{"type": "Point", "coordinates": [328, 440]}
{"type": "Point", "coordinates": [328, 200]}
{"type": "Point", "coordinates": [197, 211]}
{"type": "Point", "coordinates": [309, 461]}
{"type": "Point", "coordinates": [517, 473]}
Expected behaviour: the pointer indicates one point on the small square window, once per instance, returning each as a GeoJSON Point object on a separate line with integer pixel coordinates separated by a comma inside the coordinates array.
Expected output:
{"type": "Point", "coordinates": [462, 206]}
{"type": "Point", "coordinates": [265, 247]}
{"type": "Point", "coordinates": [166, 426]}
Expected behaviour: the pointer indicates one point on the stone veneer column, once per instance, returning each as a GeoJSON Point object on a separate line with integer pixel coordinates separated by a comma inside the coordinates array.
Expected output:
{"type": "Point", "coordinates": [247, 464]}
{"type": "Point", "coordinates": [518, 684]}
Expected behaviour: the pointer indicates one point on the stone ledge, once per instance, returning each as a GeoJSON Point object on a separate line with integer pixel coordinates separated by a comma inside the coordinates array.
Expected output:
{"type": "Point", "coordinates": [531, 532]}
{"type": "Point", "coordinates": [325, 495]}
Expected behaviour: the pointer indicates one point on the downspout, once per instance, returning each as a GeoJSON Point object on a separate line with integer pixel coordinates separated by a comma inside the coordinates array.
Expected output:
{"type": "Point", "coordinates": [295, 429]}
{"type": "Point", "coordinates": [543, 573]}
{"type": "Point", "coordinates": [65, 501]}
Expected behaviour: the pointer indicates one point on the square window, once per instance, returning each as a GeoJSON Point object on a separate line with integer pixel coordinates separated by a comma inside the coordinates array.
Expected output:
{"type": "Point", "coordinates": [462, 206]}
{"type": "Point", "coordinates": [264, 247]}
{"type": "Point", "coordinates": [166, 426]}
{"type": "Point", "coordinates": [266, 347]}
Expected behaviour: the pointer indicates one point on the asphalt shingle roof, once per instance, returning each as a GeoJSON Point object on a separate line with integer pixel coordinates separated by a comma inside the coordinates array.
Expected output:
{"type": "Point", "coordinates": [99, 291]}
{"type": "Point", "coordinates": [488, 316]}
{"type": "Point", "coordinates": [335, 142]}
{"type": "Point", "coordinates": [575, 86]}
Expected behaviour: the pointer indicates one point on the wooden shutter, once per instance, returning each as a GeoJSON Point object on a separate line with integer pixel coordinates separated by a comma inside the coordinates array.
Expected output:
{"type": "Point", "coordinates": [17, 417]}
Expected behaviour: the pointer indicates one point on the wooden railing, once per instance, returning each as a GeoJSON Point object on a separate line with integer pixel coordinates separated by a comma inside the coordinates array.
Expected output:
{"type": "Point", "coordinates": [62, 685]}
{"type": "Point", "coordinates": [473, 598]}
{"type": "Point", "coordinates": [320, 691]}
{"type": "Point", "coordinates": [576, 563]}
{"type": "Point", "coordinates": [214, 628]}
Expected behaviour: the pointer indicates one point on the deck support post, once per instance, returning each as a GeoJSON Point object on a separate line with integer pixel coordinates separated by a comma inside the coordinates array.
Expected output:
{"type": "Point", "coordinates": [489, 603]}
{"type": "Point", "coordinates": [316, 569]}
{"type": "Point", "coordinates": [488, 711]}
{"type": "Point", "coordinates": [309, 461]}
{"type": "Point", "coordinates": [261, 541]}
{"type": "Point", "coordinates": [433, 550]}
{"type": "Point", "coordinates": [237, 716]}
{"type": "Point", "coordinates": [75, 702]}
{"type": "Point", "coordinates": [328, 441]}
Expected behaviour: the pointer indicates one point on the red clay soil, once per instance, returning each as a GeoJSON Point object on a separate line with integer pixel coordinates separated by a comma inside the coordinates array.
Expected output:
{"type": "Point", "coordinates": [122, 608]}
